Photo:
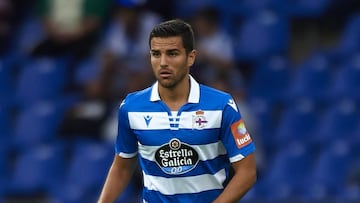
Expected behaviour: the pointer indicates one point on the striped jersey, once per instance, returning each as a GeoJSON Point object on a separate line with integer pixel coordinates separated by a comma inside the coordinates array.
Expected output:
{"type": "Point", "coordinates": [186, 155]}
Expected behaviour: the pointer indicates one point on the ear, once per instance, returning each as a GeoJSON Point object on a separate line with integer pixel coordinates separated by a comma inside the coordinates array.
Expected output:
{"type": "Point", "coordinates": [191, 58]}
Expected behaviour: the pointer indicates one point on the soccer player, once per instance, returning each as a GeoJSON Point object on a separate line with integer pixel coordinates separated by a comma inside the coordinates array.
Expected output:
{"type": "Point", "coordinates": [185, 135]}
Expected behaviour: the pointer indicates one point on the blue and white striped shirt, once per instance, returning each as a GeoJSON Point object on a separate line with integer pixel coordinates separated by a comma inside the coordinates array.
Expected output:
{"type": "Point", "coordinates": [185, 156]}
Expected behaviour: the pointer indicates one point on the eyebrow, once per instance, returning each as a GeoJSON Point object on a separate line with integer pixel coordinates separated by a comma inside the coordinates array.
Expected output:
{"type": "Point", "coordinates": [168, 50]}
{"type": "Point", "coordinates": [173, 50]}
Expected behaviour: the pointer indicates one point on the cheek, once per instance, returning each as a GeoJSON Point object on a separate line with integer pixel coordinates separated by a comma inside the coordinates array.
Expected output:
{"type": "Point", "coordinates": [154, 63]}
{"type": "Point", "coordinates": [179, 64]}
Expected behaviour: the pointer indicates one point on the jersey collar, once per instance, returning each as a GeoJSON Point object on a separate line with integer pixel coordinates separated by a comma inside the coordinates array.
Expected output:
{"type": "Point", "coordinates": [194, 95]}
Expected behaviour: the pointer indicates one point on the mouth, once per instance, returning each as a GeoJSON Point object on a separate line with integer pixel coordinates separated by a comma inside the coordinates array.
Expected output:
{"type": "Point", "coordinates": [165, 73]}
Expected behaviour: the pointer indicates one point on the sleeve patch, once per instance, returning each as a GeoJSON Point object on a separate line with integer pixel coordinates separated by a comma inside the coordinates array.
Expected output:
{"type": "Point", "coordinates": [240, 134]}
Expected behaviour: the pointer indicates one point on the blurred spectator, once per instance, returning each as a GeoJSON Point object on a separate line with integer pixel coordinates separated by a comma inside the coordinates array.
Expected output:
{"type": "Point", "coordinates": [71, 27]}
{"type": "Point", "coordinates": [125, 47]}
{"type": "Point", "coordinates": [214, 50]}
{"type": "Point", "coordinates": [87, 115]}
{"type": "Point", "coordinates": [166, 9]}
{"type": "Point", "coordinates": [122, 69]}
{"type": "Point", "coordinates": [6, 17]}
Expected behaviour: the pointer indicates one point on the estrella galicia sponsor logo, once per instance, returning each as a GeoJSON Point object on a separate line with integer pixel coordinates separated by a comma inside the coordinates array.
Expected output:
{"type": "Point", "coordinates": [176, 158]}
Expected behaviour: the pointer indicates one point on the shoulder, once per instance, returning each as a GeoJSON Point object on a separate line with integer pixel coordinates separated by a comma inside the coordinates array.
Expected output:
{"type": "Point", "coordinates": [135, 99]}
{"type": "Point", "coordinates": [214, 95]}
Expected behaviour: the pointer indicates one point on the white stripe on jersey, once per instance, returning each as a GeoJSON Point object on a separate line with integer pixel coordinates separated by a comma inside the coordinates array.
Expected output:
{"type": "Point", "coordinates": [125, 155]}
{"type": "Point", "coordinates": [236, 158]}
{"type": "Point", "coordinates": [181, 185]}
{"type": "Point", "coordinates": [149, 120]}
{"type": "Point", "coordinates": [206, 152]}
{"type": "Point", "coordinates": [160, 120]}
{"type": "Point", "coordinates": [213, 119]}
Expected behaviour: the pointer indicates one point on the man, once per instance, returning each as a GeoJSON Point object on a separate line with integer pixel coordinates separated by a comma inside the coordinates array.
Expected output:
{"type": "Point", "coordinates": [70, 26]}
{"type": "Point", "coordinates": [187, 136]}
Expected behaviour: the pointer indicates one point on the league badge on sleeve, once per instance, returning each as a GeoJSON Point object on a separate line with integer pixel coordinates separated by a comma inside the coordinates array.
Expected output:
{"type": "Point", "coordinates": [240, 133]}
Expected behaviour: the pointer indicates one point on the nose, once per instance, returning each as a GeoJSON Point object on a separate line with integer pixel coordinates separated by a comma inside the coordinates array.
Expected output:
{"type": "Point", "coordinates": [163, 60]}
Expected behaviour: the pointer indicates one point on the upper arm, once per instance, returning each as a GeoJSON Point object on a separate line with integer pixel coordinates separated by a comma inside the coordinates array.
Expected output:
{"type": "Point", "coordinates": [246, 166]}
{"type": "Point", "coordinates": [125, 164]}
{"type": "Point", "coordinates": [126, 141]}
{"type": "Point", "coordinates": [234, 134]}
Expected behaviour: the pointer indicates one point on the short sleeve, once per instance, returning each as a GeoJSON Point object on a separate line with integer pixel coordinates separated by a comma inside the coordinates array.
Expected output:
{"type": "Point", "coordinates": [126, 142]}
{"type": "Point", "coordinates": [234, 135]}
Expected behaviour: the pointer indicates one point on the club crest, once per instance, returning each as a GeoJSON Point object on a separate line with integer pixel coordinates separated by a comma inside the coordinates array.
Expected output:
{"type": "Point", "coordinates": [199, 120]}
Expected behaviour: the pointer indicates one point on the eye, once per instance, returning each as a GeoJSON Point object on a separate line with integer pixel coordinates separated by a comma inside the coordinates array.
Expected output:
{"type": "Point", "coordinates": [173, 54]}
{"type": "Point", "coordinates": [155, 54]}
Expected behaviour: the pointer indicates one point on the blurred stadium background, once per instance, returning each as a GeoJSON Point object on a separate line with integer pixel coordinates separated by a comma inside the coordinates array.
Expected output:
{"type": "Point", "coordinates": [298, 87]}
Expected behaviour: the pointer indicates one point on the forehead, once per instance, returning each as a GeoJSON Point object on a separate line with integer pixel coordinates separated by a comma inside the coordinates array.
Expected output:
{"type": "Point", "coordinates": [166, 43]}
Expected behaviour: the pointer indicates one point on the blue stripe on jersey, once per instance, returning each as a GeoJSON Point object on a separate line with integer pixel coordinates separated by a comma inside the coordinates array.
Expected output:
{"type": "Point", "coordinates": [189, 136]}
{"type": "Point", "coordinates": [202, 197]}
{"type": "Point", "coordinates": [151, 168]}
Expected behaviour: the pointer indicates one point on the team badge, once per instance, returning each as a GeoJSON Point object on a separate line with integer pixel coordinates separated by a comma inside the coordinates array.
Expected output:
{"type": "Point", "coordinates": [199, 120]}
{"type": "Point", "coordinates": [176, 157]}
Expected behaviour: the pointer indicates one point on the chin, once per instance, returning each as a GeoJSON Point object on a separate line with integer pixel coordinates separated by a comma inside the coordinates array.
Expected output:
{"type": "Point", "coordinates": [167, 83]}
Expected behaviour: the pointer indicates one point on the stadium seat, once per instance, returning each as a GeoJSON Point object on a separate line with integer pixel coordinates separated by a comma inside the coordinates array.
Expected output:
{"type": "Point", "coordinates": [5, 125]}
{"type": "Point", "coordinates": [347, 80]}
{"type": "Point", "coordinates": [355, 137]}
{"type": "Point", "coordinates": [37, 169]}
{"type": "Point", "coordinates": [85, 173]}
{"type": "Point", "coordinates": [263, 115]}
{"type": "Point", "coordinates": [270, 79]}
{"type": "Point", "coordinates": [29, 33]}
{"type": "Point", "coordinates": [87, 69]}
{"type": "Point", "coordinates": [286, 171]}
{"type": "Point", "coordinates": [349, 42]}
{"type": "Point", "coordinates": [339, 121]}
{"type": "Point", "coordinates": [4, 169]}
{"type": "Point", "coordinates": [307, 8]}
{"type": "Point", "coordinates": [297, 123]}
{"type": "Point", "coordinates": [40, 79]}
{"type": "Point", "coordinates": [328, 174]}
{"type": "Point", "coordinates": [262, 35]}
{"type": "Point", "coordinates": [351, 190]}
{"type": "Point", "coordinates": [233, 11]}
{"type": "Point", "coordinates": [312, 79]}
{"type": "Point", "coordinates": [350, 193]}
{"type": "Point", "coordinates": [36, 124]}
{"type": "Point", "coordinates": [6, 80]}
{"type": "Point", "coordinates": [187, 8]}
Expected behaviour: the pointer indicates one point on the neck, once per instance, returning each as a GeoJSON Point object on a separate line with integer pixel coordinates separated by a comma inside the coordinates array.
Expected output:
{"type": "Point", "coordinates": [177, 96]}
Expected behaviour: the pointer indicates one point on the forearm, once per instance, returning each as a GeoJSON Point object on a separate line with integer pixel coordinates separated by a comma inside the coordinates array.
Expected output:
{"type": "Point", "coordinates": [240, 184]}
{"type": "Point", "coordinates": [116, 182]}
{"type": "Point", "coordinates": [236, 189]}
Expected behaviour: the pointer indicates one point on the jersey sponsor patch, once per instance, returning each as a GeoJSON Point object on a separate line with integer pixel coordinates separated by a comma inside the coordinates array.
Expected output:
{"type": "Point", "coordinates": [176, 157]}
{"type": "Point", "coordinates": [240, 133]}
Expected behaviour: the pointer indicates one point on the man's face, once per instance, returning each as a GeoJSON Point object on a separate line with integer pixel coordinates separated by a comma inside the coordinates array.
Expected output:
{"type": "Point", "coordinates": [169, 60]}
